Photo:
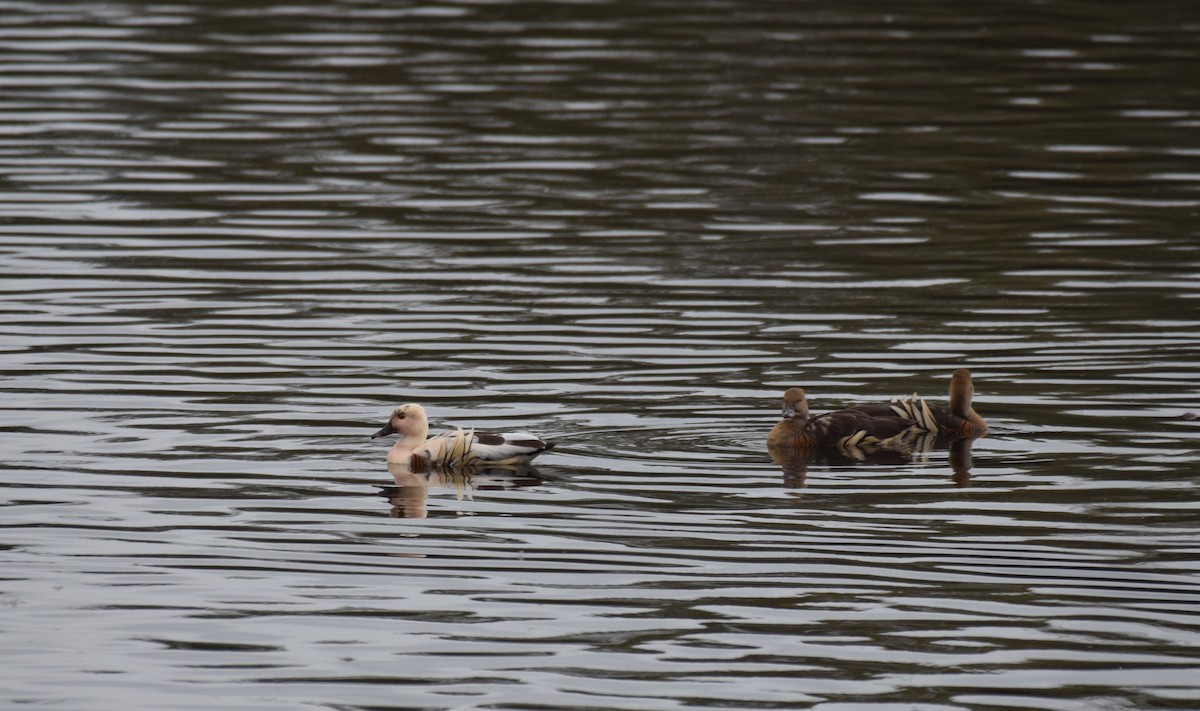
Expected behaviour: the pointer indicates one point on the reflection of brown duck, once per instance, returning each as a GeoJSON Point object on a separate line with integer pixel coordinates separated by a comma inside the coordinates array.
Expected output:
{"type": "Point", "coordinates": [913, 448]}
{"type": "Point", "coordinates": [876, 426]}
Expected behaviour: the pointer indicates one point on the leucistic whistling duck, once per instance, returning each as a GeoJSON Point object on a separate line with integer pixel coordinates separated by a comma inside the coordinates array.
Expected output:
{"type": "Point", "coordinates": [461, 448]}
{"type": "Point", "coordinates": [878, 425]}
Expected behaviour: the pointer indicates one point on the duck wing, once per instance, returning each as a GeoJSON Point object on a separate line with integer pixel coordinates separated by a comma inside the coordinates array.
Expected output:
{"type": "Point", "coordinates": [464, 448]}
{"type": "Point", "coordinates": [855, 428]}
{"type": "Point", "coordinates": [492, 446]}
{"type": "Point", "coordinates": [924, 416]}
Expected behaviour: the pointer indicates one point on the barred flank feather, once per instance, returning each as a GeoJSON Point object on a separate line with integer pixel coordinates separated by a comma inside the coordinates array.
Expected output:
{"type": "Point", "coordinates": [460, 448]}
{"type": "Point", "coordinates": [916, 409]}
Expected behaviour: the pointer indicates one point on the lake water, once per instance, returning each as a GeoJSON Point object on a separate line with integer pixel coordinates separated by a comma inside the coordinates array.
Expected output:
{"type": "Point", "coordinates": [233, 236]}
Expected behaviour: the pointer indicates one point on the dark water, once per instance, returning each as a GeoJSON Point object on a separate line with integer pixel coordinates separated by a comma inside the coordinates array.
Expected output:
{"type": "Point", "coordinates": [234, 235]}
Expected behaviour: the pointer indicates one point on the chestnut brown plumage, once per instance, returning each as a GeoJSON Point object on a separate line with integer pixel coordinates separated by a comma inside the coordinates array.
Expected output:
{"type": "Point", "coordinates": [876, 425]}
{"type": "Point", "coordinates": [958, 419]}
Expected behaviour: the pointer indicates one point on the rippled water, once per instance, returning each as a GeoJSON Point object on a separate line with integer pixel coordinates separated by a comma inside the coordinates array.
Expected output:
{"type": "Point", "coordinates": [234, 235]}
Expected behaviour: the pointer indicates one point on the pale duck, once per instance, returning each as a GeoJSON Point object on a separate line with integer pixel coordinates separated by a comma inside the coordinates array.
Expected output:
{"type": "Point", "coordinates": [461, 448]}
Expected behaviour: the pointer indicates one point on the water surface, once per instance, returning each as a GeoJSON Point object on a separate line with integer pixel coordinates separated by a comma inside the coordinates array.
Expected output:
{"type": "Point", "coordinates": [233, 236]}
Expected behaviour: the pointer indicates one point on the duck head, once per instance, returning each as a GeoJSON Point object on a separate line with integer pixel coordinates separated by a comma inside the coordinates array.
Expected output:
{"type": "Point", "coordinates": [795, 404]}
{"type": "Point", "coordinates": [407, 421]}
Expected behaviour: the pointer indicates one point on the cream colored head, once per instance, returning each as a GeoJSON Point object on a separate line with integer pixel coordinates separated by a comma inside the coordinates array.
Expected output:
{"type": "Point", "coordinates": [408, 421]}
{"type": "Point", "coordinates": [795, 404]}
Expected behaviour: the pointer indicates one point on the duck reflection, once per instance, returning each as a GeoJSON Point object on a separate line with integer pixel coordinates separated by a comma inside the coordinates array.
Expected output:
{"type": "Point", "coordinates": [409, 496]}
{"type": "Point", "coordinates": [916, 447]}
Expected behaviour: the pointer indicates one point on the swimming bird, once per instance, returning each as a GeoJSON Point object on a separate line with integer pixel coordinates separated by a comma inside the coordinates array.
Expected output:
{"type": "Point", "coordinates": [461, 448]}
{"type": "Point", "coordinates": [844, 429]}
{"type": "Point", "coordinates": [876, 426]}
{"type": "Point", "coordinates": [795, 416]}
{"type": "Point", "coordinates": [959, 419]}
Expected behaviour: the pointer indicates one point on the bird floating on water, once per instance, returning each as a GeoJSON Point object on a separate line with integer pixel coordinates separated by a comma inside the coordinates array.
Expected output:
{"type": "Point", "coordinates": [877, 425]}
{"type": "Point", "coordinates": [457, 449]}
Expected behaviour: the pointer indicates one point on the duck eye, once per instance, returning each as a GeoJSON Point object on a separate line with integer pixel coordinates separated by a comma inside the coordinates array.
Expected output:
{"type": "Point", "coordinates": [400, 416]}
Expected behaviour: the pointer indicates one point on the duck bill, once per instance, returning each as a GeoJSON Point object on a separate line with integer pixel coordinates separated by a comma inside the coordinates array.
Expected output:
{"type": "Point", "coordinates": [387, 430]}
{"type": "Point", "coordinates": [789, 411]}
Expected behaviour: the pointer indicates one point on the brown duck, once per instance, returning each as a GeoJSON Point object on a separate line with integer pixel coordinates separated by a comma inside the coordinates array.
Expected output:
{"type": "Point", "coordinates": [876, 424]}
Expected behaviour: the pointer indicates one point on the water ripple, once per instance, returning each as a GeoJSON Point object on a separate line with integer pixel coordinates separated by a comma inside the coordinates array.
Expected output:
{"type": "Point", "coordinates": [233, 238]}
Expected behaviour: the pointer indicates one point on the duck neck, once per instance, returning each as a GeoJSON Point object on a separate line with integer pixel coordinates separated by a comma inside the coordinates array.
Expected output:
{"type": "Point", "coordinates": [412, 439]}
{"type": "Point", "coordinates": [974, 418]}
{"type": "Point", "coordinates": [960, 405]}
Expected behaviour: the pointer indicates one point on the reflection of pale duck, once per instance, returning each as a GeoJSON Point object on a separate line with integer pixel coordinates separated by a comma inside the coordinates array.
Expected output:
{"type": "Point", "coordinates": [461, 448]}
{"type": "Point", "coordinates": [408, 497]}
{"type": "Point", "coordinates": [890, 425]}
